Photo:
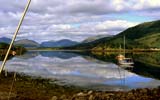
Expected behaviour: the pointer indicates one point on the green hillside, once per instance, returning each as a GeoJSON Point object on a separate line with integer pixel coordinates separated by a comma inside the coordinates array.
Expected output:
{"type": "Point", "coordinates": [93, 38]}
{"type": "Point", "coordinates": [27, 43]}
{"type": "Point", "coordinates": [145, 35]}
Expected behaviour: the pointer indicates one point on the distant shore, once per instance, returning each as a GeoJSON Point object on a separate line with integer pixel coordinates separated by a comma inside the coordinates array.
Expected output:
{"type": "Point", "coordinates": [127, 50]}
{"type": "Point", "coordinates": [52, 49]}
{"type": "Point", "coordinates": [23, 87]}
{"type": "Point", "coordinates": [93, 50]}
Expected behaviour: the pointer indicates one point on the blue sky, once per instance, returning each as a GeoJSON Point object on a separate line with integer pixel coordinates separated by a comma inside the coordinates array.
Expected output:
{"type": "Point", "coordinates": [74, 19]}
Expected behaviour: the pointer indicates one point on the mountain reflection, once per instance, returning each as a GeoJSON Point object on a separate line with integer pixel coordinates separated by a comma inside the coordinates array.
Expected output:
{"type": "Point", "coordinates": [146, 64]}
{"type": "Point", "coordinates": [86, 69]}
{"type": "Point", "coordinates": [28, 55]}
{"type": "Point", "coordinates": [58, 54]}
{"type": "Point", "coordinates": [3, 56]}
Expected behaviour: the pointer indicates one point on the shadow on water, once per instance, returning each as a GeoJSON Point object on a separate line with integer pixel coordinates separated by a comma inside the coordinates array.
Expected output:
{"type": "Point", "coordinates": [28, 55]}
{"type": "Point", "coordinates": [3, 56]}
{"type": "Point", "coordinates": [145, 64]}
{"type": "Point", "coordinates": [50, 54]}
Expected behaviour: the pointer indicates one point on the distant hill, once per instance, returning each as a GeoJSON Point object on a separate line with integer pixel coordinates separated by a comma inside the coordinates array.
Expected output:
{"type": "Point", "coordinates": [145, 35]}
{"type": "Point", "coordinates": [4, 47]}
{"type": "Point", "coordinates": [93, 38]}
{"type": "Point", "coordinates": [88, 45]}
{"type": "Point", "coordinates": [5, 40]}
{"type": "Point", "coordinates": [60, 43]}
{"type": "Point", "coordinates": [27, 43]}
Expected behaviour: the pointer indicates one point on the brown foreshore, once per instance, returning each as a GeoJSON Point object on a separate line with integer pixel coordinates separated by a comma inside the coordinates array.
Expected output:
{"type": "Point", "coordinates": [21, 87]}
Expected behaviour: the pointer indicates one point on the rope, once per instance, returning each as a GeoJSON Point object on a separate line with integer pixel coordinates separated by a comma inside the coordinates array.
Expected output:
{"type": "Point", "coordinates": [11, 88]}
{"type": "Point", "coordinates": [14, 36]}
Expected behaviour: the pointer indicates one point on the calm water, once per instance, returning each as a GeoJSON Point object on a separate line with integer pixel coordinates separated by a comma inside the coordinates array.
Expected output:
{"type": "Point", "coordinates": [96, 72]}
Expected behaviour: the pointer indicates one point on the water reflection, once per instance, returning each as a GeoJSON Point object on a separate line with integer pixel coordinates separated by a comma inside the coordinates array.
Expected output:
{"type": "Point", "coordinates": [3, 56]}
{"type": "Point", "coordinates": [90, 71]}
{"type": "Point", "coordinates": [28, 55]}
{"type": "Point", "coordinates": [62, 55]}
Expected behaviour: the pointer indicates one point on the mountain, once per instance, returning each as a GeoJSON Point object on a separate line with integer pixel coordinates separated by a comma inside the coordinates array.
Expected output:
{"type": "Point", "coordinates": [88, 45]}
{"type": "Point", "coordinates": [145, 35]}
{"type": "Point", "coordinates": [5, 40]}
{"type": "Point", "coordinates": [60, 43]}
{"type": "Point", "coordinates": [93, 38]}
{"type": "Point", "coordinates": [27, 43]}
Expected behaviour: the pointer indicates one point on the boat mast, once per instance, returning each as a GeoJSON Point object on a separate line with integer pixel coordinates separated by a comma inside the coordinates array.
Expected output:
{"type": "Point", "coordinates": [15, 35]}
{"type": "Point", "coordinates": [124, 38]}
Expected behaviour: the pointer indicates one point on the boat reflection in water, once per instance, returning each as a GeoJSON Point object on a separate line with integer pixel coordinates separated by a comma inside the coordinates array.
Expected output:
{"type": "Point", "coordinates": [81, 70]}
{"type": "Point", "coordinates": [122, 60]}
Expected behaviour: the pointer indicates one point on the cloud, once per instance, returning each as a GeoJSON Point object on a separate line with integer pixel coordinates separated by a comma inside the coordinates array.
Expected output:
{"type": "Point", "coordinates": [115, 25]}
{"type": "Point", "coordinates": [72, 19]}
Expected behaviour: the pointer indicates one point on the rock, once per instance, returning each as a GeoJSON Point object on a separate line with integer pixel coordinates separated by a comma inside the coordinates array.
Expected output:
{"type": "Point", "coordinates": [81, 94]}
{"type": "Point", "coordinates": [63, 97]}
{"type": "Point", "coordinates": [130, 95]}
{"type": "Point", "coordinates": [54, 98]}
{"type": "Point", "coordinates": [90, 92]}
{"type": "Point", "coordinates": [154, 92]}
{"type": "Point", "coordinates": [144, 90]}
{"type": "Point", "coordinates": [110, 94]}
{"type": "Point", "coordinates": [90, 97]}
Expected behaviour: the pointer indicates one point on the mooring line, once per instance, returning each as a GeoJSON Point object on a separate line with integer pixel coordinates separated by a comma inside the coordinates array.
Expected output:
{"type": "Point", "coordinates": [10, 91]}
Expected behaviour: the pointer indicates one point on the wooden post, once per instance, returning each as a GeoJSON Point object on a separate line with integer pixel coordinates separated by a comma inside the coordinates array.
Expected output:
{"type": "Point", "coordinates": [15, 35]}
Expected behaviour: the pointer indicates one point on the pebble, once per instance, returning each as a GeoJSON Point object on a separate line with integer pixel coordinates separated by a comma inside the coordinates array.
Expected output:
{"type": "Point", "coordinates": [80, 94]}
{"type": "Point", "coordinates": [54, 98]}
{"type": "Point", "coordinates": [90, 97]}
{"type": "Point", "coordinates": [90, 92]}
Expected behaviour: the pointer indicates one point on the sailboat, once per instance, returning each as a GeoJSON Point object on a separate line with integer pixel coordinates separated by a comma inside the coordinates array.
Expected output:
{"type": "Point", "coordinates": [122, 60]}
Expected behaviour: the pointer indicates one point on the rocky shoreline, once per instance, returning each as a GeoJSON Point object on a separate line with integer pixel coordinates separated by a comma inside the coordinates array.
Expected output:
{"type": "Point", "coordinates": [138, 94]}
{"type": "Point", "coordinates": [15, 86]}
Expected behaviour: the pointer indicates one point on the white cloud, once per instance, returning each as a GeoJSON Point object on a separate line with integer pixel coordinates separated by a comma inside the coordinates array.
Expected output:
{"type": "Point", "coordinates": [113, 25]}
{"type": "Point", "coordinates": [60, 27]}
{"type": "Point", "coordinates": [74, 19]}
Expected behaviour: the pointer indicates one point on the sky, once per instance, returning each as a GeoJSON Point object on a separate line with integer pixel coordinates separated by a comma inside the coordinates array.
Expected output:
{"type": "Point", "coordinates": [74, 19]}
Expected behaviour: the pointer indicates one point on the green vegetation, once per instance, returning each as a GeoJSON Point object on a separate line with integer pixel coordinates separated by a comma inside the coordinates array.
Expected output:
{"type": "Point", "coordinates": [151, 59]}
{"type": "Point", "coordinates": [142, 36]}
{"type": "Point", "coordinates": [4, 46]}
{"type": "Point", "coordinates": [45, 48]}
{"type": "Point", "coordinates": [88, 45]}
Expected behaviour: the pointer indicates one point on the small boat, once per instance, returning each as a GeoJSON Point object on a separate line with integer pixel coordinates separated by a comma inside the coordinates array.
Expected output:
{"type": "Point", "coordinates": [122, 60]}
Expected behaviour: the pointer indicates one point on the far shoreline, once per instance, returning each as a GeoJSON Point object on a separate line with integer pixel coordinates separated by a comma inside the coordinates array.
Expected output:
{"type": "Point", "coordinates": [92, 50]}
